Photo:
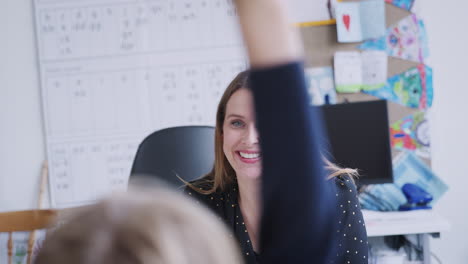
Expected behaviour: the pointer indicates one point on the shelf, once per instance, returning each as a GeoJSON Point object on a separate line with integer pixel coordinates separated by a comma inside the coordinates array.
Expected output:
{"type": "Point", "coordinates": [403, 223]}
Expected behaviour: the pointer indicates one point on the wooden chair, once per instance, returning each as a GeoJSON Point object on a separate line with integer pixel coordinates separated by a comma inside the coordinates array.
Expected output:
{"type": "Point", "coordinates": [25, 221]}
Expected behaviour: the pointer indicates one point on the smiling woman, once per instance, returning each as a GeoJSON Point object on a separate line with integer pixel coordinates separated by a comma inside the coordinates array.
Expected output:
{"type": "Point", "coordinates": [233, 187]}
{"type": "Point", "coordinates": [223, 174]}
{"type": "Point", "coordinates": [240, 136]}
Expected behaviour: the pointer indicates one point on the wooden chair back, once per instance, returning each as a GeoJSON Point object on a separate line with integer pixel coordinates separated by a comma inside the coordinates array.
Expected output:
{"type": "Point", "coordinates": [25, 221]}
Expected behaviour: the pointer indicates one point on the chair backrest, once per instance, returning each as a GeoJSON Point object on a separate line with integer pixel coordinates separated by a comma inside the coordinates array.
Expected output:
{"type": "Point", "coordinates": [25, 221]}
{"type": "Point", "coordinates": [186, 151]}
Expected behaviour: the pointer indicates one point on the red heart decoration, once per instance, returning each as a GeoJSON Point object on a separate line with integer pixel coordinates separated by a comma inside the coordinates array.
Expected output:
{"type": "Point", "coordinates": [346, 21]}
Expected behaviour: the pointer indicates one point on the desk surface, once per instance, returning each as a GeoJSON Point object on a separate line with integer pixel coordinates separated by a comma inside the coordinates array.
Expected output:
{"type": "Point", "coordinates": [402, 223]}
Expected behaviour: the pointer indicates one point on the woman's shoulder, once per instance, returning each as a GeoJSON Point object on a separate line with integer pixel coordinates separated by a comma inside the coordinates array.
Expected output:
{"type": "Point", "coordinates": [203, 183]}
{"type": "Point", "coordinates": [202, 189]}
{"type": "Point", "coordinates": [345, 184]}
{"type": "Point", "coordinates": [218, 201]}
{"type": "Point", "coordinates": [198, 186]}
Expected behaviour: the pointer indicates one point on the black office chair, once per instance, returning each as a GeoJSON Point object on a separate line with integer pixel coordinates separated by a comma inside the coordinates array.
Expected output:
{"type": "Point", "coordinates": [186, 151]}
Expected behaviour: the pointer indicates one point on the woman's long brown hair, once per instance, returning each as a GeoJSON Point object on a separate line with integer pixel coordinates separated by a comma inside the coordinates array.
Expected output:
{"type": "Point", "coordinates": [222, 174]}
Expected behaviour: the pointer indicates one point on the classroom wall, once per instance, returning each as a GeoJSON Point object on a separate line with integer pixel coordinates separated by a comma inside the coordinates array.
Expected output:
{"type": "Point", "coordinates": [448, 42]}
{"type": "Point", "coordinates": [22, 138]}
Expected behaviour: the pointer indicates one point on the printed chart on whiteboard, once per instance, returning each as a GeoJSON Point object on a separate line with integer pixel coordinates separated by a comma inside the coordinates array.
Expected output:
{"type": "Point", "coordinates": [114, 71]}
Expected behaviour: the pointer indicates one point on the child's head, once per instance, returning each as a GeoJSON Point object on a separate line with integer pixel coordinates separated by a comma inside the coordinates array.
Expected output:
{"type": "Point", "coordinates": [160, 226]}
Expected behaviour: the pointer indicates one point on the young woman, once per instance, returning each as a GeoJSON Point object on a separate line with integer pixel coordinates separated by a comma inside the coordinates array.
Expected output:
{"type": "Point", "coordinates": [268, 185]}
{"type": "Point", "coordinates": [232, 189]}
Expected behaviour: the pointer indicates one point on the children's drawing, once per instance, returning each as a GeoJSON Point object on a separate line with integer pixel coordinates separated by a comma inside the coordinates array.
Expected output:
{"type": "Point", "coordinates": [374, 69]}
{"type": "Point", "coordinates": [411, 133]}
{"type": "Point", "coordinates": [355, 71]}
{"type": "Point", "coordinates": [412, 88]}
{"type": "Point", "coordinates": [357, 21]}
{"type": "Point", "coordinates": [405, 4]}
{"type": "Point", "coordinates": [406, 40]}
{"type": "Point", "coordinates": [348, 71]}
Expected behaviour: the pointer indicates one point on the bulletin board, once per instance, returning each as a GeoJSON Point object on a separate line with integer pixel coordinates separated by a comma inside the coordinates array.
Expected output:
{"type": "Point", "coordinates": [321, 43]}
{"type": "Point", "coordinates": [407, 82]}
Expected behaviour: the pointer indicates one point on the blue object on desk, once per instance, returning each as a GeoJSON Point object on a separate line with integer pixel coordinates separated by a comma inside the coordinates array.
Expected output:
{"type": "Point", "coordinates": [416, 196]}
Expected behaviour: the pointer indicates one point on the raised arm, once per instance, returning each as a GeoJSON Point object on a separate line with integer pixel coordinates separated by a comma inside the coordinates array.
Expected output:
{"type": "Point", "coordinates": [298, 204]}
{"type": "Point", "coordinates": [268, 35]}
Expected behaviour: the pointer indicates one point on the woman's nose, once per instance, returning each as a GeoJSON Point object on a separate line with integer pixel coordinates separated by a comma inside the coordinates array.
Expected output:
{"type": "Point", "coordinates": [251, 135]}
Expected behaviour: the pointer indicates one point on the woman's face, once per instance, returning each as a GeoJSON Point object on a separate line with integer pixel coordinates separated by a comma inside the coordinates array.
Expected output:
{"type": "Point", "coordinates": [240, 136]}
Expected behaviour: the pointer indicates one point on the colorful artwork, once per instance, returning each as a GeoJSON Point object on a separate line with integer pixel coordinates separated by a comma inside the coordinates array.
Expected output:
{"type": "Point", "coordinates": [405, 4]}
{"type": "Point", "coordinates": [357, 21]}
{"type": "Point", "coordinates": [320, 85]}
{"type": "Point", "coordinates": [411, 133]}
{"type": "Point", "coordinates": [407, 40]}
{"type": "Point", "coordinates": [412, 88]}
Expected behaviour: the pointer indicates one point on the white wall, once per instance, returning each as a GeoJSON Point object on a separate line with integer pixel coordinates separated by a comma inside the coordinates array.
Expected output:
{"type": "Point", "coordinates": [21, 135]}
{"type": "Point", "coordinates": [22, 139]}
{"type": "Point", "coordinates": [448, 43]}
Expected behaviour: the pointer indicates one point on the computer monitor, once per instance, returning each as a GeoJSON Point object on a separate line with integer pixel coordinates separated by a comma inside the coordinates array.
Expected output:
{"type": "Point", "coordinates": [358, 137]}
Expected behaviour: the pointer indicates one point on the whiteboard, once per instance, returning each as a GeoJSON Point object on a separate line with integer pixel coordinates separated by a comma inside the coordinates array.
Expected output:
{"type": "Point", "coordinates": [114, 71]}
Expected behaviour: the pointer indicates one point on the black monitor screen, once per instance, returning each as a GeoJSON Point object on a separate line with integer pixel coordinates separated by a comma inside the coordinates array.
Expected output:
{"type": "Point", "coordinates": [358, 137]}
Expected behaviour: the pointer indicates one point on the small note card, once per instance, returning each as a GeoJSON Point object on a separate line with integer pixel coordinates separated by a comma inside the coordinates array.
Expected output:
{"type": "Point", "coordinates": [358, 21]}
{"type": "Point", "coordinates": [356, 71]}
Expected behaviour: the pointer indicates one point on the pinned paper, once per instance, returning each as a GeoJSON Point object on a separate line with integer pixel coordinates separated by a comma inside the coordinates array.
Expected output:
{"type": "Point", "coordinates": [320, 85]}
{"type": "Point", "coordinates": [407, 168]}
{"type": "Point", "coordinates": [405, 4]}
{"type": "Point", "coordinates": [356, 71]}
{"type": "Point", "coordinates": [348, 71]}
{"type": "Point", "coordinates": [374, 69]}
{"type": "Point", "coordinates": [357, 21]}
{"type": "Point", "coordinates": [411, 133]}
{"type": "Point", "coordinates": [412, 88]}
{"type": "Point", "coordinates": [407, 40]}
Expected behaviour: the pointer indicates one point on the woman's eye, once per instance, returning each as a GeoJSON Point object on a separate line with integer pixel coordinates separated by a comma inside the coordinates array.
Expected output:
{"type": "Point", "coordinates": [237, 123]}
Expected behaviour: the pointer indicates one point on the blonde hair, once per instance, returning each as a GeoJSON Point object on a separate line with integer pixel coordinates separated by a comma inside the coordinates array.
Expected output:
{"type": "Point", "coordinates": [336, 171]}
{"type": "Point", "coordinates": [158, 227]}
{"type": "Point", "coordinates": [222, 174]}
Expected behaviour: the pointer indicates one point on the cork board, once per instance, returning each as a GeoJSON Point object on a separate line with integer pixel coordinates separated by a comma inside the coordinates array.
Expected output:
{"type": "Point", "coordinates": [320, 44]}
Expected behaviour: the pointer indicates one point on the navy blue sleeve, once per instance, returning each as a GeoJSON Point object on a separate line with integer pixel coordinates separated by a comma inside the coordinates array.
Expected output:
{"type": "Point", "coordinates": [299, 205]}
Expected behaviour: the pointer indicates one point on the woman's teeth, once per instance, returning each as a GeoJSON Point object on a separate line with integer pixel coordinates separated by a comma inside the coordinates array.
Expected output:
{"type": "Point", "coordinates": [249, 155]}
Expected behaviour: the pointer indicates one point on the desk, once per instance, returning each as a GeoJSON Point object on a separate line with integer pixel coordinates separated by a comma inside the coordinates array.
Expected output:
{"type": "Point", "coordinates": [422, 223]}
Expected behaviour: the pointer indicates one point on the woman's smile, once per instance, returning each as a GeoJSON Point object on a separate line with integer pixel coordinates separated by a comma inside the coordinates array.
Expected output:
{"type": "Point", "coordinates": [249, 156]}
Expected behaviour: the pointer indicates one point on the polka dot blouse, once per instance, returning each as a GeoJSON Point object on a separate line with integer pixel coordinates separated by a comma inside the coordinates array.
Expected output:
{"type": "Point", "coordinates": [352, 238]}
